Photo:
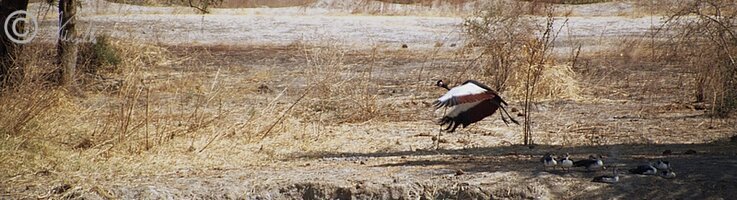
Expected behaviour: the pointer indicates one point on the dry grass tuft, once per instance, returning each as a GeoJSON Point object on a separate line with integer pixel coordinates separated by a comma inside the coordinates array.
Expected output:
{"type": "Point", "coordinates": [556, 82]}
{"type": "Point", "coordinates": [339, 93]}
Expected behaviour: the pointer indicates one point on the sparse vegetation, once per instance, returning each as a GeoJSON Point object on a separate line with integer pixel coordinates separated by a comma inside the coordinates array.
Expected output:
{"type": "Point", "coordinates": [515, 56]}
{"type": "Point", "coordinates": [258, 115]}
{"type": "Point", "coordinates": [98, 56]}
{"type": "Point", "coordinates": [702, 35]}
{"type": "Point", "coordinates": [507, 42]}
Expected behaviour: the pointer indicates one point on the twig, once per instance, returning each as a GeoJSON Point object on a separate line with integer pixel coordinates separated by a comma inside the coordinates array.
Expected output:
{"type": "Point", "coordinates": [266, 133]}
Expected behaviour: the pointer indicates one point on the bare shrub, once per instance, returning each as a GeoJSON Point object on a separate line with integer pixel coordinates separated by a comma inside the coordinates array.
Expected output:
{"type": "Point", "coordinates": [515, 55]}
{"type": "Point", "coordinates": [506, 43]}
{"type": "Point", "coordinates": [704, 36]}
{"type": "Point", "coordinates": [500, 32]}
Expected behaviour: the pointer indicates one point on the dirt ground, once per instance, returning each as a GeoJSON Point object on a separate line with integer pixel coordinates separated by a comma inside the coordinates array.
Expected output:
{"type": "Point", "coordinates": [630, 112]}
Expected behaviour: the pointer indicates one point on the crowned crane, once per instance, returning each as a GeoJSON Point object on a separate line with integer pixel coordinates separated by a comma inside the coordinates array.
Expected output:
{"type": "Point", "coordinates": [470, 102]}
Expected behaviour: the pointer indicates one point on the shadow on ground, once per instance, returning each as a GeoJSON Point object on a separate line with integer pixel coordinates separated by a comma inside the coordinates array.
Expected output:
{"type": "Point", "coordinates": [710, 172]}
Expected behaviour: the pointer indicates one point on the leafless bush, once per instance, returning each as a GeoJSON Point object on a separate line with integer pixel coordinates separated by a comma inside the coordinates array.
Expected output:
{"type": "Point", "coordinates": [516, 54]}
{"type": "Point", "coordinates": [704, 36]}
{"type": "Point", "coordinates": [507, 42]}
{"type": "Point", "coordinates": [500, 31]}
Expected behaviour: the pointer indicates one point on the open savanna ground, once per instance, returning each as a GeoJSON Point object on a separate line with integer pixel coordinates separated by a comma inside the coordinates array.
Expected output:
{"type": "Point", "coordinates": [320, 101]}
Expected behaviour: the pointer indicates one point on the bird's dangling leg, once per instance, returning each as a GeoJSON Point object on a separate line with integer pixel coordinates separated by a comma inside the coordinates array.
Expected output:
{"type": "Point", "coordinates": [504, 119]}
{"type": "Point", "coordinates": [436, 141]}
{"type": "Point", "coordinates": [436, 138]}
{"type": "Point", "coordinates": [510, 116]}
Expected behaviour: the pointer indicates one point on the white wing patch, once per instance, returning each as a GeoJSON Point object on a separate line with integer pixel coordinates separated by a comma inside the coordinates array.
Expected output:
{"type": "Point", "coordinates": [462, 90]}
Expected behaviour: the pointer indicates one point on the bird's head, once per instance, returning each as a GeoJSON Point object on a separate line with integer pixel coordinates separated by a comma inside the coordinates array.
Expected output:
{"type": "Point", "coordinates": [442, 84]}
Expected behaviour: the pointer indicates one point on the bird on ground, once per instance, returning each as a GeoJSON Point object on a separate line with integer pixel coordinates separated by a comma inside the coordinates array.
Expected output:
{"type": "Point", "coordinates": [565, 162]}
{"type": "Point", "coordinates": [669, 174]}
{"type": "Point", "coordinates": [469, 103]}
{"type": "Point", "coordinates": [593, 163]}
{"type": "Point", "coordinates": [662, 165]}
{"type": "Point", "coordinates": [644, 170]}
{"type": "Point", "coordinates": [608, 179]}
{"type": "Point", "coordinates": [548, 161]}
{"type": "Point", "coordinates": [690, 151]}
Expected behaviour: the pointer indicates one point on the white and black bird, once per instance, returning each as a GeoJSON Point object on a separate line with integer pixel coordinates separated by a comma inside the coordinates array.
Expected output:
{"type": "Point", "coordinates": [548, 161]}
{"type": "Point", "coordinates": [662, 165]}
{"type": "Point", "coordinates": [644, 170]}
{"type": "Point", "coordinates": [470, 102]}
{"type": "Point", "coordinates": [593, 163]}
{"type": "Point", "coordinates": [565, 162]}
{"type": "Point", "coordinates": [669, 174]}
{"type": "Point", "coordinates": [607, 178]}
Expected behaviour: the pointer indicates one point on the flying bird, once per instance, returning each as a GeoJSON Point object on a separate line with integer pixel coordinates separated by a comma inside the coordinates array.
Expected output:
{"type": "Point", "coordinates": [469, 103]}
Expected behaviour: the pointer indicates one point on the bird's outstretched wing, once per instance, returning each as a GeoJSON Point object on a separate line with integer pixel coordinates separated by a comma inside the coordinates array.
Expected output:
{"type": "Point", "coordinates": [468, 93]}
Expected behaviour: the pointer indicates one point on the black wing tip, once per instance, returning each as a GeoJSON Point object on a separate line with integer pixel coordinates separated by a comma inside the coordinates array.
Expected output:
{"type": "Point", "coordinates": [452, 124]}
{"type": "Point", "coordinates": [443, 121]}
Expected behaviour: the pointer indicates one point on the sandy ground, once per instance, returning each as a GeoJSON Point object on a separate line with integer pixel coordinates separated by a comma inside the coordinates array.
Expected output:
{"type": "Point", "coordinates": [632, 114]}
{"type": "Point", "coordinates": [282, 26]}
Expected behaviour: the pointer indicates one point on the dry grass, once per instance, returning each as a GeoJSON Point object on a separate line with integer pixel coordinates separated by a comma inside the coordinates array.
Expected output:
{"type": "Point", "coordinates": [702, 36]}
{"type": "Point", "coordinates": [155, 113]}
{"type": "Point", "coordinates": [498, 36]}
{"type": "Point", "coordinates": [169, 110]}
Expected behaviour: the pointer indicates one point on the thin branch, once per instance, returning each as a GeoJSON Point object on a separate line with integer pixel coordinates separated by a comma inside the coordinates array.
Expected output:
{"type": "Point", "coordinates": [266, 133]}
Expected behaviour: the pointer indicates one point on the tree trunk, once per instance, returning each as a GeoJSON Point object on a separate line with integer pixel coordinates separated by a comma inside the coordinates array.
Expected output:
{"type": "Point", "coordinates": [8, 48]}
{"type": "Point", "coordinates": [67, 44]}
